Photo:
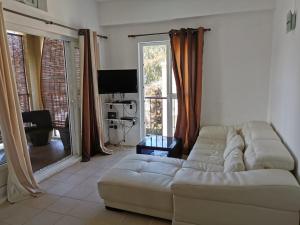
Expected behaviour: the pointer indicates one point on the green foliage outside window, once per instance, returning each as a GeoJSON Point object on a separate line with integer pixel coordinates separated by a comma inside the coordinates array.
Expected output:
{"type": "Point", "coordinates": [154, 58]}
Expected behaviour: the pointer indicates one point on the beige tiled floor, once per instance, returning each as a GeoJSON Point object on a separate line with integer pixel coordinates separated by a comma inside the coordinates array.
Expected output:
{"type": "Point", "coordinates": [71, 198]}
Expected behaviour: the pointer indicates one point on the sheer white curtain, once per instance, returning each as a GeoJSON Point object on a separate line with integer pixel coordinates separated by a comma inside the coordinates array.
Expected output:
{"type": "Point", "coordinates": [98, 99]}
{"type": "Point", "coordinates": [21, 183]}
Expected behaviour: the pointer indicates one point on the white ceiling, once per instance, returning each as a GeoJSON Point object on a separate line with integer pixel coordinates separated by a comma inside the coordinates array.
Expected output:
{"type": "Point", "coordinates": [117, 12]}
{"type": "Point", "coordinates": [105, 0]}
{"type": "Point", "coordinates": [133, 0]}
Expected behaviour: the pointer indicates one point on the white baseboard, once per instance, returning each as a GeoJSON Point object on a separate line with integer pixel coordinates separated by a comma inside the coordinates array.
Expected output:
{"type": "Point", "coordinates": [55, 168]}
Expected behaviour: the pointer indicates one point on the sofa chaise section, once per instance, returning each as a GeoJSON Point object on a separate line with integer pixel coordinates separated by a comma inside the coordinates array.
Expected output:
{"type": "Point", "coordinates": [142, 184]}
{"type": "Point", "coordinates": [260, 197]}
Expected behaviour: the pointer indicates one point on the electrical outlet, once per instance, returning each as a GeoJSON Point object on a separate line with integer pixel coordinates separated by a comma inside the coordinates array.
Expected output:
{"type": "Point", "coordinates": [291, 21]}
{"type": "Point", "coordinates": [294, 20]}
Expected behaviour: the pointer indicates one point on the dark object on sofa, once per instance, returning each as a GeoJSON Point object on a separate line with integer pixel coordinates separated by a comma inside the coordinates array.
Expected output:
{"type": "Point", "coordinates": [38, 125]}
{"type": "Point", "coordinates": [65, 135]}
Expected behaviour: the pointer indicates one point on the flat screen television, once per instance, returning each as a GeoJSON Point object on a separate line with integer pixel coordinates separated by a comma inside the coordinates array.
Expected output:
{"type": "Point", "coordinates": [117, 81]}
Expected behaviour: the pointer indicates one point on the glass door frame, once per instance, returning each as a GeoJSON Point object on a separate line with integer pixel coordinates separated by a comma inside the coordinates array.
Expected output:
{"type": "Point", "coordinates": [74, 107]}
{"type": "Point", "coordinates": [170, 96]}
{"type": "Point", "coordinates": [74, 104]}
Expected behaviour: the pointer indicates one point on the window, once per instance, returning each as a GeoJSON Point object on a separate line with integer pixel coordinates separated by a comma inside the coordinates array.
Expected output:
{"type": "Point", "coordinates": [33, 3]}
{"type": "Point", "coordinates": [53, 81]}
{"type": "Point", "coordinates": [40, 4]}
{"type": "Point", "coordinates": [15, 43]}
{"type": "Point", "coordinates": [159, 110]}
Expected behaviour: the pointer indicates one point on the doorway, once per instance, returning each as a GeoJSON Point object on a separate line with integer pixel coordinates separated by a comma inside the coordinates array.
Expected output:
{"type": "Point", "coordinates": [158, 89]}
{"type": "Point", "coordinates": [43, 67]}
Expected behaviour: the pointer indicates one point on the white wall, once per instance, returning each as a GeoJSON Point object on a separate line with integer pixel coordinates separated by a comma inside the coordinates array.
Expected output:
{"type": "Point", "coordinates": [78, 13]}
{"type": "Point", "coordinates": [74, 13]}
{"type": "Point", "coordinates": [285, 78]}
{"type": "Point", "coordinates": [236, 62]}
{"type": "Point", "coordinates": [137, 11]}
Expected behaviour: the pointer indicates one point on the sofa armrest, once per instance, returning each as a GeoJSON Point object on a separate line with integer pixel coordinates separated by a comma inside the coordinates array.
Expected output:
{"type": "Point", "coordinates": [275, 189]}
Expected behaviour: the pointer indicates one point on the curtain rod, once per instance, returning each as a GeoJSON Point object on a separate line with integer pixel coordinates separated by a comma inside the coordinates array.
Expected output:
{"type": "Point", "coordinates": [47, 21]}
{"type": "Point", "coordinates": [150, 34]}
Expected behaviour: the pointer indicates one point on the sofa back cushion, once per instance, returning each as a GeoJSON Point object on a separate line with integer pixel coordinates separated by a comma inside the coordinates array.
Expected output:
{"type": "Point", "coordinates": [268, 154]}
{"type": "Point", "coordinates": [234, 161]}
{"type": "Point", "coordinates": [258, 131]}
{"type": "Point", "coordinates": [233, 141]}
{"type": "Point", "coordinates": [205, 157]}
{"type": "Point", "coordinates": [264, 149]}
{"type": "Point", "coordinates": [214, 132]}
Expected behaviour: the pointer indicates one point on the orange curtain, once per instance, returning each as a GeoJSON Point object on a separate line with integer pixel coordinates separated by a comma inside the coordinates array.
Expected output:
{"type": "Point", "coordinates": [92, 118]}
{"type": "Point", "coordinates": [90, 136]}
{"type": "Point", "coordinates": [187, 53]}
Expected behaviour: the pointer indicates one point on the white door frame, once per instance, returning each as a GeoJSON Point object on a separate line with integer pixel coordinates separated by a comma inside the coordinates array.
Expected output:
{"type": "Point", "coordinates": [74, 117]}
{"type": "Point", "coordinates": [141, 84]}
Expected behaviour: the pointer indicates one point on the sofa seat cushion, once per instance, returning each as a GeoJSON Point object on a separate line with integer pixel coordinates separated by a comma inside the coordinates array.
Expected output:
{"type": "Point", "coordinates": [268, 154]}
{"type": "Point", "coordinates": [274, 189]}
{"type": "Point", "coordinates": [202, 166]}
{"type": "Point", "coordinates": [141, 183]}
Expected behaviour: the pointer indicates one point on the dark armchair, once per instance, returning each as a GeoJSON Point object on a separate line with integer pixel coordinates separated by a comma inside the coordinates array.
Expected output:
{"type": "Point", "coordinates": [38, 125]}
{"type": "Point", "coordinates": [65, 135]}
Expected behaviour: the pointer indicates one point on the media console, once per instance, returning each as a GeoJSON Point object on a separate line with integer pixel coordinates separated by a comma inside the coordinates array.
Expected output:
{"type": "Point", "coordinates": [121, 114]}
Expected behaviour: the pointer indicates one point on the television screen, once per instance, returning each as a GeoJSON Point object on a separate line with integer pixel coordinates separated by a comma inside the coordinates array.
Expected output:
{"type": "Point", "coordinates": [117, 81]}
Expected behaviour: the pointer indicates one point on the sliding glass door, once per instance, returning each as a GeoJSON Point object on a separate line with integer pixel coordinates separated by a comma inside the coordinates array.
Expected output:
{"type": "Point", "coordinates": [158, 90]}
{"type": "Point", "coordinates": [46, 69]}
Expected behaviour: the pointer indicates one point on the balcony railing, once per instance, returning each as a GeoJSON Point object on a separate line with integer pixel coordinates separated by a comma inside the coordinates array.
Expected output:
{"type": "Point", "coordinates": [157, 116]}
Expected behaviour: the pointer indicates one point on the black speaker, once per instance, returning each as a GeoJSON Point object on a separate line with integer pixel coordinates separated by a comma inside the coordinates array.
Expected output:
{"type": "Point", "coordinates": [111, 115]}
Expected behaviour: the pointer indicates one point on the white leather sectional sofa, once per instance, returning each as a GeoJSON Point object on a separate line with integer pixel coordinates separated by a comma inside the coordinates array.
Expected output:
{"type": "Point", "coordinates": [233, 176]}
